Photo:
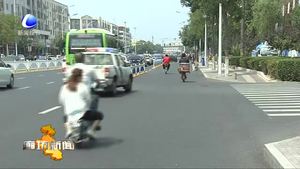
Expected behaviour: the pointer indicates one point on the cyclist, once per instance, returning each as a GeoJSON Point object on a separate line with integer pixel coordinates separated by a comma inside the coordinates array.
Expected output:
{"type": "Point", "coordinates": [166, 63]}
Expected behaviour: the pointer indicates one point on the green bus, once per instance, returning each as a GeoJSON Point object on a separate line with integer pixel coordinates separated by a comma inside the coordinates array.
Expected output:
{"type": "Point", "coordinates": [79, 40]}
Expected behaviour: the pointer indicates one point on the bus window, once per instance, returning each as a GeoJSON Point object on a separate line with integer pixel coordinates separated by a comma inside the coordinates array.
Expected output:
{"type": "Point", "coordinates": [85, 41]}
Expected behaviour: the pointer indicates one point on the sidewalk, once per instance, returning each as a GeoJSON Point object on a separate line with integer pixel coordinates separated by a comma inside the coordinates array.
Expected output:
{"type": "Point", "coordinates": [283, 154]}
{"type": "Point", "coordinates": [236, 76]}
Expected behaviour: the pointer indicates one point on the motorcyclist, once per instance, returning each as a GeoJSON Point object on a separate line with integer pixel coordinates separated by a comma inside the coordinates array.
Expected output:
{"type": "Point", "coordinates": [166, 63]}
{"type": "Point", "coordinates": [183, 59]}
{"type": "Point", "coordinates": [75, 97]}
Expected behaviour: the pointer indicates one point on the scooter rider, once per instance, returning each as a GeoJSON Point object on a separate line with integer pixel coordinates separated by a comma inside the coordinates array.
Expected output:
{"type": "Point", "coordinates": [89, 77]}
{"type": "Point", "coordinates": [184, 59]}
{"type": "Point", "coordinates": [75, 97]}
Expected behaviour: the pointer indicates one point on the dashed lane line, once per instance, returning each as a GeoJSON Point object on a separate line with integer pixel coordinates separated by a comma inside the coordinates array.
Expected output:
{"type": "Point", "coordinates": [49, 110]}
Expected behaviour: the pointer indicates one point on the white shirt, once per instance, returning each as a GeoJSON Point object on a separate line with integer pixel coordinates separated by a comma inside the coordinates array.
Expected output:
{"type": "Point", "coordinates": [75, 103]}
{"type": "Point", "coordinates": [88, 73]}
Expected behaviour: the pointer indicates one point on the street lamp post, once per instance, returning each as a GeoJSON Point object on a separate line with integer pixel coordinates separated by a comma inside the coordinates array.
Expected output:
{"type": "Point", "coordinates": [135, 45]}
{"type": "Point", "coordinates": [125, 34]}
{"type": "Point", "coordinates": [62, 23]}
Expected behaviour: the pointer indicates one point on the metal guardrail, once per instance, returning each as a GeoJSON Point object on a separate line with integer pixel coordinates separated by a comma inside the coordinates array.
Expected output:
{"type": "Point", "coordinates": [31, 66]}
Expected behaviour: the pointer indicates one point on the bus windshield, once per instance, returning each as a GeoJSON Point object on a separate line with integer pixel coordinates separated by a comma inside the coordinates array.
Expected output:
{"type": "Point", "coordinates": [85, 40]}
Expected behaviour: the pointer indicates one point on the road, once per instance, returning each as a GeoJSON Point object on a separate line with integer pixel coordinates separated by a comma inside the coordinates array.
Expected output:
{"type": "Point", "coordinates": [163, 123]}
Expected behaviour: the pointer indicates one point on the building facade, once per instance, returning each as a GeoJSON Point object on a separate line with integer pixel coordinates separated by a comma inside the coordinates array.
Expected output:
{"type": "Point", "coordinates": [53, 21]}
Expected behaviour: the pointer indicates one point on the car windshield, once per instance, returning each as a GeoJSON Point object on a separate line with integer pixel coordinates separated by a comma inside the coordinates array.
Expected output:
{"type": "Point", "coordinates": [98, 59]}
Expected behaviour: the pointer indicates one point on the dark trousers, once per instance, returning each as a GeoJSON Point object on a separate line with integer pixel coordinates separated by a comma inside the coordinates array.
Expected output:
{"type": "Point", "coordinates": [94, 102]}
{"type": "Point", "coordinates": [167, 66]}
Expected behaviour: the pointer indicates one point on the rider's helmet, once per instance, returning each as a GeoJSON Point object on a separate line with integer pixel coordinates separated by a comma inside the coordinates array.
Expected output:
{"type": "Point", "coordinates": [183, 55]}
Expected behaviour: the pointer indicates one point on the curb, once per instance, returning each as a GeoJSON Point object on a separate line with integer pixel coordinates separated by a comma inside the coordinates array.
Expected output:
{"type": "Point", "coordinates": [275, 158]}
{"type": "Point", "coordinates": [145, 72]}
{"type": "Point", "coordinates": [265, 77]}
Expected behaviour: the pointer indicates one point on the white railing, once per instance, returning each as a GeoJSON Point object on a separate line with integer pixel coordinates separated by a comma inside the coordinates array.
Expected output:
{"type": "Point", "coordinates": [140, 68]}
{"type": "Point", "coordinates": [31, 66]}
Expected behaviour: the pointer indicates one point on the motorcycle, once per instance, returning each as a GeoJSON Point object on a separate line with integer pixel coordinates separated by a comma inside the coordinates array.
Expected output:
{"type": "Point", "coordinates": [79, 134]}
{"type": "Point", "coordinates": [183, 69]}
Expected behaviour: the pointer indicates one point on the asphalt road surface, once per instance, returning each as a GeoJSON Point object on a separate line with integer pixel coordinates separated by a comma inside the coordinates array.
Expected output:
{"type": "Point", "coordinates": [163, 123]}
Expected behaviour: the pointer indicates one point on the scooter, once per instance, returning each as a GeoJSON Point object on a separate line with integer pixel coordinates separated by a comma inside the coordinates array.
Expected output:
{"type": "Point", "coordinates": [79, 134]}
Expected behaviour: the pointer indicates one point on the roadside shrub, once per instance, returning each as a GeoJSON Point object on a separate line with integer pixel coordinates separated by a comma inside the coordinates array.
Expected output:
{"type": "Point", "coordinates": [272, 67]}
{"type": "Point", "coordinates": [244, 62]}
{"type": "Point", "coordinates": [250, 63]}
{"type": "Point", "coordinates": [286, 70]}
{"type": "Point", "coordinates": [234, 61]}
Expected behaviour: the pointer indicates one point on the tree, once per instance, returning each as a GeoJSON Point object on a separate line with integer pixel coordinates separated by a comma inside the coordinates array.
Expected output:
{"type": "Point", "coordinates": [9, 25]}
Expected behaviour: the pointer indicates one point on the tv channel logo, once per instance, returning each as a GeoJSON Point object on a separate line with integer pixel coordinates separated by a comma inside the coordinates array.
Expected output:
{"type": "Point", "coordinates": [29, 21]}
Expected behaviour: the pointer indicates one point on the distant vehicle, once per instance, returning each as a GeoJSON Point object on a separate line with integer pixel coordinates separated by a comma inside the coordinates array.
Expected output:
{"type": "Point", "coordinates": [148, 60]}
{"type": "Point", "coordinates": [135, 59]}
{"type": "Point", "coordinates": [111, 71]}
{"type": "Point", "coordinates": [30, 58]}
{"type": "Point", "coordinates": [157, 59]}
{"type": "Point", "coordinates": [125, 59]}
{"type": "Point", "coordinates": [2, 55]}
{"type": "Point", "coordinates": [21, 57]}
{"type": "Point", "coordinates": [268, 51]}
{"type": "Point", "coordinates": [79, 40]}
{"type": "Point", "coordinates": [6, 75]}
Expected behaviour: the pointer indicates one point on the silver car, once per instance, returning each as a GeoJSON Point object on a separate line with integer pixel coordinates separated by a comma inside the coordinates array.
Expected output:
{"type": "Point", "coordinates": [6, 75]}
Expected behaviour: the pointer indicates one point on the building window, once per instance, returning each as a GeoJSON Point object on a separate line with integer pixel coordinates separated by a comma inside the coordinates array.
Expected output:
{"type": "Point", "coordinates": [6, 6]}
{"type": "Point", "coordinates": [28, 2]}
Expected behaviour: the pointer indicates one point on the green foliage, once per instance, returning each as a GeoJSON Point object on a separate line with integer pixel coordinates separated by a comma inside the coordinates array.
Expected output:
{"type": "Point", "coordinates": [8, 28]}
{"type": "Point", "coordinates": [148, 47]}
{"type": "Point", "coordinates": [244, 62]}
{"type": "Point", "coordinates": [235, 61]}
{"type": "Point", "coordinates": [266, 14]}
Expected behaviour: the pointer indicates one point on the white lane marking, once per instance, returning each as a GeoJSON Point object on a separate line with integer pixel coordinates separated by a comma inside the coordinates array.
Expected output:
{"type": "Point", "coordinates": [277, 104]}
{"type": "Point", "coordinates": [273, 99]}
{"type": "Point", "coordinates": [282, 110]}
{"type": "Point", "coordinates": [270, 97]}
{"type": "Point", "coordinates": [50, 83]}
{"type": "Point", "coordinates": [271, 94]}
{"type": "Point", "coordinates": [20, 78]}
{"type": "Point", "coordinates": [248, 78]}
{"type": "Point", "coordinates": [279, 107]}
{"type": "Point", "coordinates": [49, 110]}
{"type": "Point", "coordinates": [284, 115]}
{"type": "Point", "coordinates": [23, 88]}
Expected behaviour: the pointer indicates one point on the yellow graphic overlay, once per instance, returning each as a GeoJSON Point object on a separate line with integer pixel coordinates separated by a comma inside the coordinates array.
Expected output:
{"type": "Point", "coordinates": [46, 143]}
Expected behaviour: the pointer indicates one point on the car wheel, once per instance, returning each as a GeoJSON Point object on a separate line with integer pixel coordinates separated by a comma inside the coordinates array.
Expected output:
{"type": "Point", "coordinates": [128, 87]}
{"type": "Point", "coordinates": [11, 83]}
{"type": "Point", "coordinates": [113, 89]}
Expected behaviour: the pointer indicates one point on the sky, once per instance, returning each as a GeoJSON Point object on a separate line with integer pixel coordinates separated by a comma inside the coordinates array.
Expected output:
{"type": "Point", "coordinates": [161, 19]}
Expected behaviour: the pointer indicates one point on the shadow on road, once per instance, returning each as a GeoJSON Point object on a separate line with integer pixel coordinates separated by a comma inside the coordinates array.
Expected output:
{"type": "Point", "coordinates": [103, 142]}
{"type": "Point", "coordinates": [190, 81]}
{"type": "Point", "coordinates": [120, 93]}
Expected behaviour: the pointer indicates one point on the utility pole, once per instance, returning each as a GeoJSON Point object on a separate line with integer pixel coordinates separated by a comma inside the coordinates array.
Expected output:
{"type": "Point", "coordinates": [243, 29]}
{"type": "Point", "coordinates": [16, 44]}
{"type": "Point", "coordinates": [220, 41]}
